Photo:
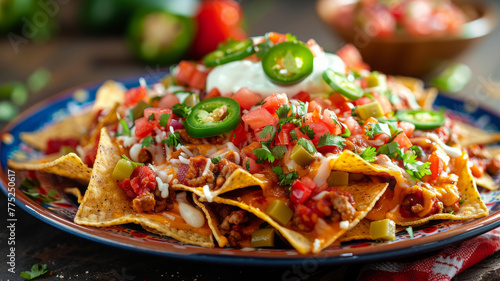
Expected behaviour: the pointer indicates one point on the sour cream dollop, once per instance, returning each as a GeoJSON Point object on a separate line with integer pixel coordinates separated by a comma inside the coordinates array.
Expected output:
{"type": "Point", "coordinates": [230, 77]}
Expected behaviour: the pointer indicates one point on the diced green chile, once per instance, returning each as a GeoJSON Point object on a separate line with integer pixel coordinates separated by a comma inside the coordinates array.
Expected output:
{"type": "Point", "coordinates": [230, 51]}
{"type": "Point", "coordinates": [198, 127]}
{"type": "Point", "coordinates": [288, 62]}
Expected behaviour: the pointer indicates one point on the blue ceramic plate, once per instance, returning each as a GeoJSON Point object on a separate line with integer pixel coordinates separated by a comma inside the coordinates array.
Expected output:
{"type": "Point", "coordinates": [60, 213]}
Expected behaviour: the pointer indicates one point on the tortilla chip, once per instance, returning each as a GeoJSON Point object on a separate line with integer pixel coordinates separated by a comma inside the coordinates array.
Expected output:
{"type": "Point", "coordinates": [238, 179]}
{"type": "Point", "coordinates": [69, 165]}
{"type": "Point", "coordinates": [74, 127]}
{"type": "Point", "coordinates": [493, 150]}
{"type": "Point", "coordinates": [364, 195]}
{"type": "Point", "coordinates": [75, 192]}
{"type": "Point", "coordinates": [109, 94]}
{"type": "Point", "coordinates": [487, 182]}
{"type": "Point", "coordinates": [471, 207]}
{"type": "Point", "coordinates": [213, 222]}
{"type": "Point", "coordinates": [472, 135]}
{"type": "Point", "coordinates": [362, 231]}
{"type": "Point", "coordinates": [425, 98]}
{"type": "Point", "coordinates": [105, 204]}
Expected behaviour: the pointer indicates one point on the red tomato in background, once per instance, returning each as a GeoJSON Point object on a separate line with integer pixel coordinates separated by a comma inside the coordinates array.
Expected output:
{"type": "Point", "coordinates": [352, 58]}
{"type": "Point", "coordinates": [274, 101]}
{"type": "Point", "coordinates": [259, 118]}
{"type": "Point", "coordinates": [217, 20]}
{"type": "Point", "coordinates": [246, 98]}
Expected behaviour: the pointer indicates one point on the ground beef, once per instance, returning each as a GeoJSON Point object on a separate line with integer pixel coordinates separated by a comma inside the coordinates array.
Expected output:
{"type": "Point", "coordinates": [224, 169]}
{"type": "Point", "coordinates": [231, 226]}
{"type": "Point", "coordinates": [144, 203]}
{"type": "Point", "coordinates": [215, 177]}
{"type": "Point", "coordinates": [163, 204]}
{"type": "Point", "coordinates": [186, 138]}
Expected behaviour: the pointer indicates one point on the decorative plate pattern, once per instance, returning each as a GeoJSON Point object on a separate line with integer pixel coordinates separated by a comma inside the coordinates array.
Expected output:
{"type": "Point", "coordinates": [60, 210]}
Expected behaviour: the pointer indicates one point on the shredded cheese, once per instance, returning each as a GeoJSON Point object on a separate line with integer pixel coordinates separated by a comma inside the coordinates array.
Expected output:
{"type": "Point", "coordinates": [316, 245]}
{"type": "Point", "coordinates": [344, 224]}
{"type": "Point", "coordinates": [208, 193]}
{"type": "Point", "coordinates": [207, 166]}
{"type": "Point", "coordinates": [134, 152]}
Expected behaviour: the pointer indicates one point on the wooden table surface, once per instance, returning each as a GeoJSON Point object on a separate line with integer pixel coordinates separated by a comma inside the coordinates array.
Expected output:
{"type": "Point", "coordinates": [75, 60]}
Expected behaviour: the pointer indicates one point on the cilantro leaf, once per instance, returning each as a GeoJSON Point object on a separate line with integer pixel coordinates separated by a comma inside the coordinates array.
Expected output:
{"type": "Point", "coordinates": [151, 117]}
{"type": "Point", "coordinates": [263, 47]}
{"type": "Point", "coordinates": [308, 145]}
{"type": "Point", "coordinates": [418, 169]}
{"type": "Point", "coordinates": [126, 130]}
{"type": "Point", "coordinates": [173, 139]}
{"type": "Point", "coordinates": [164, 119]}
{"type": "Point", "coordinates": [247, 164]}
{"type": "Point", "coordinates": [181, 110]}
{"type": "Point", "coordinates": [390, 149]}
{"type": "Point", "coordinates": [368, 154]}
{"type": "Point", "coordinates": [284, 179]}
{"type": "Point", "coordinates": [215, 160]}
{"type": "Point", "coordinates": [373, 129]}
{"type": "Point", "coordinates": [35, 272]}
{"type": "Point", "coordinates": [263, 154]}
{"type": "Point", "coordinates": [282, 111]}
{"type": "Point", "coordinates": [295, 116]}
{"type": "Point", "coordinates": [329, 139]}
{"type": "Point", "coordinates": [308, 131]}
{"type": "Point", "coordinates": [268, 133]}
{"type": "Point", "coordinates": [279, 151]}
{"type": "Point", "coordinates": [293, 134]}
{"type": "Point", "coordinates": [417, 150]}
{"type": "Point", "coordinates": [147, 141]}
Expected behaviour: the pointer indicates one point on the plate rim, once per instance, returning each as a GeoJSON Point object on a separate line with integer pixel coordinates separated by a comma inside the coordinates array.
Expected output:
{"type": "Point", "coordinates": [429, 243]}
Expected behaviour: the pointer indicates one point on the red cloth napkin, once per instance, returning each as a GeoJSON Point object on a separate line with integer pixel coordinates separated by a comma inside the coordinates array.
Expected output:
{"type": "Point", "coordinates": [444, 265]}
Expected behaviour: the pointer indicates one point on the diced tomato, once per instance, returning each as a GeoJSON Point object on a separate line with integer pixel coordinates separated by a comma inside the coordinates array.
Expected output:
{"type": "Point", "coordinates": [314, 106]}
{"type": "Point", "coordinates": [54, 145]}
{"type": "Point", "coordinates": [352, 58]}
{"type": "Point", "coordinates": [363, 100]}
{"type": "Point", "coordinates": [437, 165]}
{"type": "Point", "coordinates": [239, 135]}
{"type": "Point", "coordinates": [142, 181]}
{"type": "Point", "coordinates": [254, 167]}
{"type": "Point", "coordinates": [301, 190]}
{"type": "Point", "coordinates": [366, 124]}
{"type": "Point", "coordinates": [246, 98]}
{"type": "Point", "coordinates": [378, 140]}
{"type": "Point", "coordinates": [185, 71]}
{"type": "Point", "coordinates": [407, 128]}
{"type": "Point", "coordinates": [134, 95]}
{"type": "Point", "coordinates": [284, 135]}
{"type": "Point", "coordinates": [198, 80]}
{"type": "Point", "coordinates": [168, 101]}
{"type": "Point", "coordinates": [276, 37]}
{"type": "Point", "coordinates": [384, 102]}
{"type": "Point", "coordinates": [478, 167]}
{"type": "Point", "coordinates": [302, 96]}
{"type": "Point", "coordinates": [300, 135]}
{"type": "Point", "coordinates": [158, 112]}
{"type": "Point", "coordinates": [259, 118]}
{"type": "Point", "coordinates": [316, 50]}
{"type": "Point", "coordinates": [212, 94]}
{"type": "Point", "coordinates": [144, 127]}
{"type": "Point", "coordinates": [341, 104]}
{"type": "Point", "coordinates": [274, 101]}
{"type": "Point", "coordinates": [329, 149]}
{"type": "Point", "coordinates": [319, 129]}
{"type": "Point", "coordinates": [353, 126]}
{"type": "Point", "coordinates": [264, 138]}
{"type": "Point", "coordinates": [403, 141]}
{"type": "Point", "coordinates": [328, 119]}
{"type": "Point", "coordinates": [248, 150]}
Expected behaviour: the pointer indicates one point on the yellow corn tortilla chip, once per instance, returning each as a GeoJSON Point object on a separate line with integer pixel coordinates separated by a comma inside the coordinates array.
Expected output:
{"type": "Point", "coordinates": [105, 204]}
{"type": "Point", "coordinates": [75, 191]}
{"type": "Point", "coordinates": [473, 206]}
{"type": "Point", "coordinates": [472, 135]}
{"type": "Point", "coordinates": [69, 165]}
{"type": "Point", "coordinates": [425, 97]}
{"type": "Point", "coordinates": [74, 127]}
{"type": "Point", "coordinates": [213, 223]}
{"type": "Point", "coordinates": [109, 94]}
{"type": "Point", "coordinates": [364, 195]}
{"type": "Point", "coordinates": [238, 179]}
{"type": "Point", "coordinates": [362, 231]}
{"type": "Point", "coordinates": [487, 182]}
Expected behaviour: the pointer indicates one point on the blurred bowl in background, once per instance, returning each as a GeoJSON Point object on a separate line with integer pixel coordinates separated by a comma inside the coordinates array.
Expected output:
{"type": "Point", "coordinates": [405, 54]}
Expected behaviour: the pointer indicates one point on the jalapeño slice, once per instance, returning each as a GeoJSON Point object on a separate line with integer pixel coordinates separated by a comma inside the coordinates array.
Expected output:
{"type": "Point", "coordinates": [287, 62]}
{"type": "Point", "coordinates": [213, 117]}
{"type": "Point", "coordinates": [230, 51]}
{"type": "Point", "coordinates": [342, 85]}
{"type": "Point", "coordinates": [422, 119]}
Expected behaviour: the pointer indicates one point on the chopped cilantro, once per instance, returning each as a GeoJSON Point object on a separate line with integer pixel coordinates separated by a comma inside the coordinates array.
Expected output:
{"type": "Point", "coordinates": [147, 141]}
{"type": "Point", "coordinates": [215, 160]}
{"type": "Point", "coordinates": [368, 95]}
{"type": "Point", "coordinates": [390, 149]}
{"type": "Point", "coordinates": [368, 154]}
{"type": "Point", "coordinates": [410, 231]}
{"type": "Point", "coordinates": [164, 119]}
{"type": "Point", "coordinates": [416, 169]}
{"type": "Point", "coordinates": [263, 47]}
{"type": "Point", "coordinates": [461, 201]}
{"type": "Point", "coordinates": [347, 132]}
{"type": "Point", "coordinates": [395, 134]}
{"type": "Point", "coordinates": [293, 134]}
{"type": "Point", "coordinates": [329, 139]}
{"type": "Point", "coordinates": [308, 131]}
{"type": "Point", "coordinates": [172, 140]}
{"type": "Point", "coordinates": [417, 150]}
{"type": "Point", "coordinates": [308, 145]}
{"type": "Point", "coordinates": [35, 272]}
{"type": "Point", "coordinates": [151, 117]}
{"type": "Point", "coordinates": [451, 213]}
{"type": "Point", "coordinates": [295, 116]}
{"type": "Point", "coordinates": [285, 179]}
{"type": "Point", "coordinates": [263, 154]}
{"type": "Point", "coordinates": [135, 164]}
{"type": "Point", "coordinates": [353, 112]}
{"type": "Point", "coordinates": [181, 110]}
{"type": "Point", "coordinates": [291, 38]}
{"type": "Point", "coordinates": [269, 132]}
{"type": "Point", "coordinates": [247, 164]}
{"type": "Point", "coordinates": [279, 151]}
{"type": "Point", "coordinates": [373, 129]}
{"type": "Point", "coordinates": [126, 130]}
